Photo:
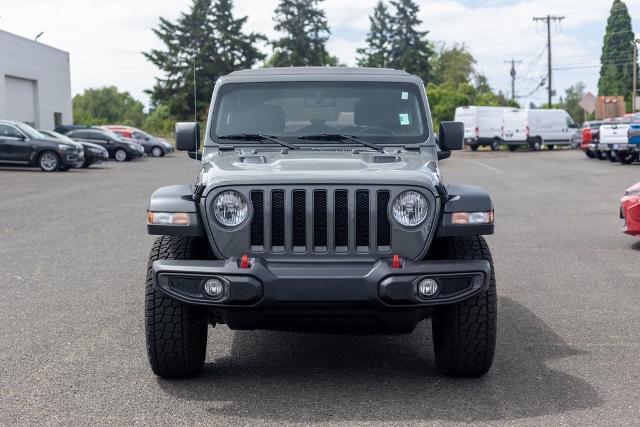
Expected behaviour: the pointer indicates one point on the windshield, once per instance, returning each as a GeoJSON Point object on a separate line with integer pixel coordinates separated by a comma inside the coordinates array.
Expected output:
{"type": "Point", "coordinates": [383, 112]}
{"type": "Point", "coordinates": [113, 135]}
{"type": "Point", "coordinates": [31, 132]}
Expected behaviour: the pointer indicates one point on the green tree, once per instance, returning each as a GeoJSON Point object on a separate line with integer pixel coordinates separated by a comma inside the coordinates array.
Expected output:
{"type": "Point", "coordinates": [410, 49]}
{"type": "Point", "coordinates": [208, 36]}
{"type": "Point", "coordinates": [454, 65]}
{"type": "Point", "coordinates": [159, 121]}
{"type": "Point", "coordinates": [445, 98]}
{"type": "Point", "coordinates": [571, 100]}
{"type": "Point", "coordinates": [305, 32]}
{"type": "Point", "coordinates": [378, 50]}
{"type": "Point", "coordinates": [616, 72]}
{"type": "Point", "coordinates": [107, 106]}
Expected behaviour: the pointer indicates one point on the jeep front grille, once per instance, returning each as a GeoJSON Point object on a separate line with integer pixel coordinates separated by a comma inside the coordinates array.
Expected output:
{"type": "Point", "coordinates": [318, 220]}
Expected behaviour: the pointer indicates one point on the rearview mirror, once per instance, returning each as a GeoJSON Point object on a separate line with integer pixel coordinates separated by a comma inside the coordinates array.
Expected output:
{"type": "Point", "coordinates": [451, 136]}
{"type": "Point", "coordinates": [188, 136]}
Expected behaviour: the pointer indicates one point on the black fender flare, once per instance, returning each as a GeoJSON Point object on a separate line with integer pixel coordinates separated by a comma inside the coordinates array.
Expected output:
{"type": "Point", "coordinates": [174, 199]}
{"type": "Point", "coordinates": [464, 198]}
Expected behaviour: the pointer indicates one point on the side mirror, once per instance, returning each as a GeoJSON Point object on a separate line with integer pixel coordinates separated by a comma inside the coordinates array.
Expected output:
{"type": "Point", "coordinates": [451, 136]}
{"type": "Point", "coordinates": [188, 136]}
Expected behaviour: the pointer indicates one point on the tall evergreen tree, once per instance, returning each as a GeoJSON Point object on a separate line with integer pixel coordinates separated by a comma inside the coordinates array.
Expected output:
{"type": "Point", "coordinates": [616, 72]}
{"type": "Point", "coordinates": [211, 37]}
{"type": "Point", "coordinates": [378, 50]}
{"type": "Point", "coordinates": [305, 32]}
{"type": "Point", "coordinates": [410, 49]}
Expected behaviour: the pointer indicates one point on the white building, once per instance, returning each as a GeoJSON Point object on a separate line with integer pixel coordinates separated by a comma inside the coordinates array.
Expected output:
{"type": "Point", "coordinates": [35, 82]}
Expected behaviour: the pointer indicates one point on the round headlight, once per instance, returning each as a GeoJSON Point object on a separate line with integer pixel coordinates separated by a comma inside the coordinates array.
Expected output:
{"type": "Point", "coordinates": [410, 208]}
{"type": "Point", "coordinates": [230, 208]}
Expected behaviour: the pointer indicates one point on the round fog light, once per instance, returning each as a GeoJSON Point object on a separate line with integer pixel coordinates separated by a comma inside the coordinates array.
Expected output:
{"type": "Point", "coordinates": [427, 288]}
{"type": "Point", "coordinates": [214, 288]}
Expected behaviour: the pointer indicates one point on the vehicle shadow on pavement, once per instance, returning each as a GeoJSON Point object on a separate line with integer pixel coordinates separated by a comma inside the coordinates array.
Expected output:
{"type": "Point", "coordinates": [636, 246]}
{"type": "Point", "coordinates": [289, 377]}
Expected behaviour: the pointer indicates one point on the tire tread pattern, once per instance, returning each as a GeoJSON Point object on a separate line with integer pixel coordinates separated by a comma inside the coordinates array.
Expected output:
{"type": "Point", "coordinates": [464, 335]}
{"type": "Point", "coordinates": [176, 333]}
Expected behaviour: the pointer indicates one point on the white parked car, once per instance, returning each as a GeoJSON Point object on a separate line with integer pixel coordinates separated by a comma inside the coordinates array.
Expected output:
{"type": "Point", "coordinates": [482, 125]}
{"type": "Point", "coordinates": [537, 127]}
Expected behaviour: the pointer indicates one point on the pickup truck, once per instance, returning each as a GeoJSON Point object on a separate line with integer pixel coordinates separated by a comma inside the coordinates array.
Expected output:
{"type": "Point", "coordinates": [629, 151]}
{"type": "Point", "coordinates": [615, 132]}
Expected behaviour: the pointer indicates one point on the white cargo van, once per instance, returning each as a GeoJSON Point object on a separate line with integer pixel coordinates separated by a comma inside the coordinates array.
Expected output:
{"type": "Point", "coordinates": [481, 125]}
{"type": "Point", "coordinates": [536, 127]}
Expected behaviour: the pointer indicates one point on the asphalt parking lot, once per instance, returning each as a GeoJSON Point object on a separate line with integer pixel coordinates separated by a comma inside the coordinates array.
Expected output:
{"type": "Point", "coordinates": [73, 250]}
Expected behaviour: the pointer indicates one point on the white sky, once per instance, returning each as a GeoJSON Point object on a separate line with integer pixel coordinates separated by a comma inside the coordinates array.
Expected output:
{"type": "Point", "coordinates": [105, 37]}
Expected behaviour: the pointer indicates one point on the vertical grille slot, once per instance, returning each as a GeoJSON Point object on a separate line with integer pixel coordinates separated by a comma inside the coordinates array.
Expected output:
{"type": "Point", "coordinates": [277, 220]}
{"type": "Point", "coordinates": [362, 220]}
{"type": "Point", "coordinates": [320, 220]}
{"type": "Point", "coordinates": [341, 228]}
{"type": "Point", "coordinates": [299, 223]}
{"type": "Point", "coordinates": [383, 227]}
{"type": "Point", "coordinates": [257, 222]}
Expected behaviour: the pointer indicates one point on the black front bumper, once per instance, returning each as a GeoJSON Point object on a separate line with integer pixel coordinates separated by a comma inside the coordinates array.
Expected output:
{"type": "Point", "coordinates": [270, 293]}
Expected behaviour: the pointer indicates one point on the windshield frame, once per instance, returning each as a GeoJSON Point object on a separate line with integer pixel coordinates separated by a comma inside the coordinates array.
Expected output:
{"type": "Point", "coordinates": [29, 131]}
{"type": "Point", "coordinates": [417, 90]}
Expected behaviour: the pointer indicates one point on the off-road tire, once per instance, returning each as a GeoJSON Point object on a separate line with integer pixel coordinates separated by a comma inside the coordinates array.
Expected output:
{"type": "Point", "coordinates": [464, 334]}
{"type": "Point", "coordinates": [625, 159]}
{"type": "Point", "coordinates": [176, 332]}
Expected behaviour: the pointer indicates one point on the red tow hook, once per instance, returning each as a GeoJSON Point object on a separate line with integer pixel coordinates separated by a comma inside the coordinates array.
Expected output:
{"type": "Point", "coordinates": [244, 262]}
{"type": "Point", "coordinates": [395, 262]}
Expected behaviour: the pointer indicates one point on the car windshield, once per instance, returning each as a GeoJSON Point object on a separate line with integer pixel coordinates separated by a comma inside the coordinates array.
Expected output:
{"type": "Point", "coordinates": [113, 135]}
{"type": "Point", "coordinates": [378, 112]}
{"type": "Point", "coordinates": [31, 132]}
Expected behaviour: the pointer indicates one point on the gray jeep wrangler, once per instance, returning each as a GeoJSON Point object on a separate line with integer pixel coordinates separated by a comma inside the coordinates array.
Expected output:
{"type": "Point", "coordinates": [320, 207]}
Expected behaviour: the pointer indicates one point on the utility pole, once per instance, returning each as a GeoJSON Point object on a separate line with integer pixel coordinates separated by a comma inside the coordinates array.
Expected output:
{"type": "Point", "coordinates": [635, 75]}
{"type": "Point", "coordinates": [513, 63]}
{"type": "Point", "coordinates": [548, 19]}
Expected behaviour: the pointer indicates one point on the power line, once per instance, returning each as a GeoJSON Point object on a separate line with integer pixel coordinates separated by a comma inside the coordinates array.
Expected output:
{"type": "Point", "coordinates": [548, 20]}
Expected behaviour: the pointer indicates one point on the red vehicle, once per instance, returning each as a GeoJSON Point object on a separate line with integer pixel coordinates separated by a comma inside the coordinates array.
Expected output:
{"type": "Point", "coordinates": [590, 137]}
{"type": "Point", "coordinates": [630, 210]}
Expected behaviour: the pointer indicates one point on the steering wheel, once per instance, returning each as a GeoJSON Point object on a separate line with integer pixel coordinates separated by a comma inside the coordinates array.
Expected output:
{"type": "Point", "coordinates": [384, 131]}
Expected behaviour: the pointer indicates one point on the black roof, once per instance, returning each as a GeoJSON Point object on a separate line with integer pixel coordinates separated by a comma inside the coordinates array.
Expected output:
{"type": "Point", "coordinates": [333, 71]}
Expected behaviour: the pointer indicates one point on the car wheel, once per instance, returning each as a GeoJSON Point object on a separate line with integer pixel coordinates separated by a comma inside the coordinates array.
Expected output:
{"type": "Point", "coordinates": [49, 161]}
{"type": "Point", "coordinates": [551, 146]}
{"type": "Point", "coordinates": [590, 154]}
{"type": "Point", "coordinates": [176, 333]}
{"type": "Point", "coordinates": [464, 334]}
{"type": "Point", "coordinates": [536, 145]}
{"type": "Point", "coordinates": [120, 155]}
{"type": "Point", "coordinates": [600, 155]}
{"type": "Point", "coordinates": [625, 159]}
{"type": "Point", "coordinates": [495, 145]}
{"type": "Point", "coordinates": [156, 151]}
{"type": "Point", "coordinates": [474, 147]}
{"type": "Point", "coordinates": [513, 147]}
{"type": "Point", "coordinates": [611, 156]}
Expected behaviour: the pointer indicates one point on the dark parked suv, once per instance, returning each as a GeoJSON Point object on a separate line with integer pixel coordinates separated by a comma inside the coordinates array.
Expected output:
{"type": "Point", "coordinates": [118, 147]}
{"type": "Point", "coordinates": [320, 207]}
{"type": "Point", "coordinates": [93, 153]}
{"type": "Point", "coordinates": [22, 145]}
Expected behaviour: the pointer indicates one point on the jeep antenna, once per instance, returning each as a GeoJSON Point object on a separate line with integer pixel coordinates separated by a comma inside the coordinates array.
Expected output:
{"type": "Point", "coordinates": [195, 92]}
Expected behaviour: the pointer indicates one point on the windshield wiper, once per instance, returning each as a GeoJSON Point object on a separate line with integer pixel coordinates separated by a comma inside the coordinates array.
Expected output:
{"type": "Point", "coordinates": [257, 137]}
{"type": "Point", "coordinates": [340, 138]}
